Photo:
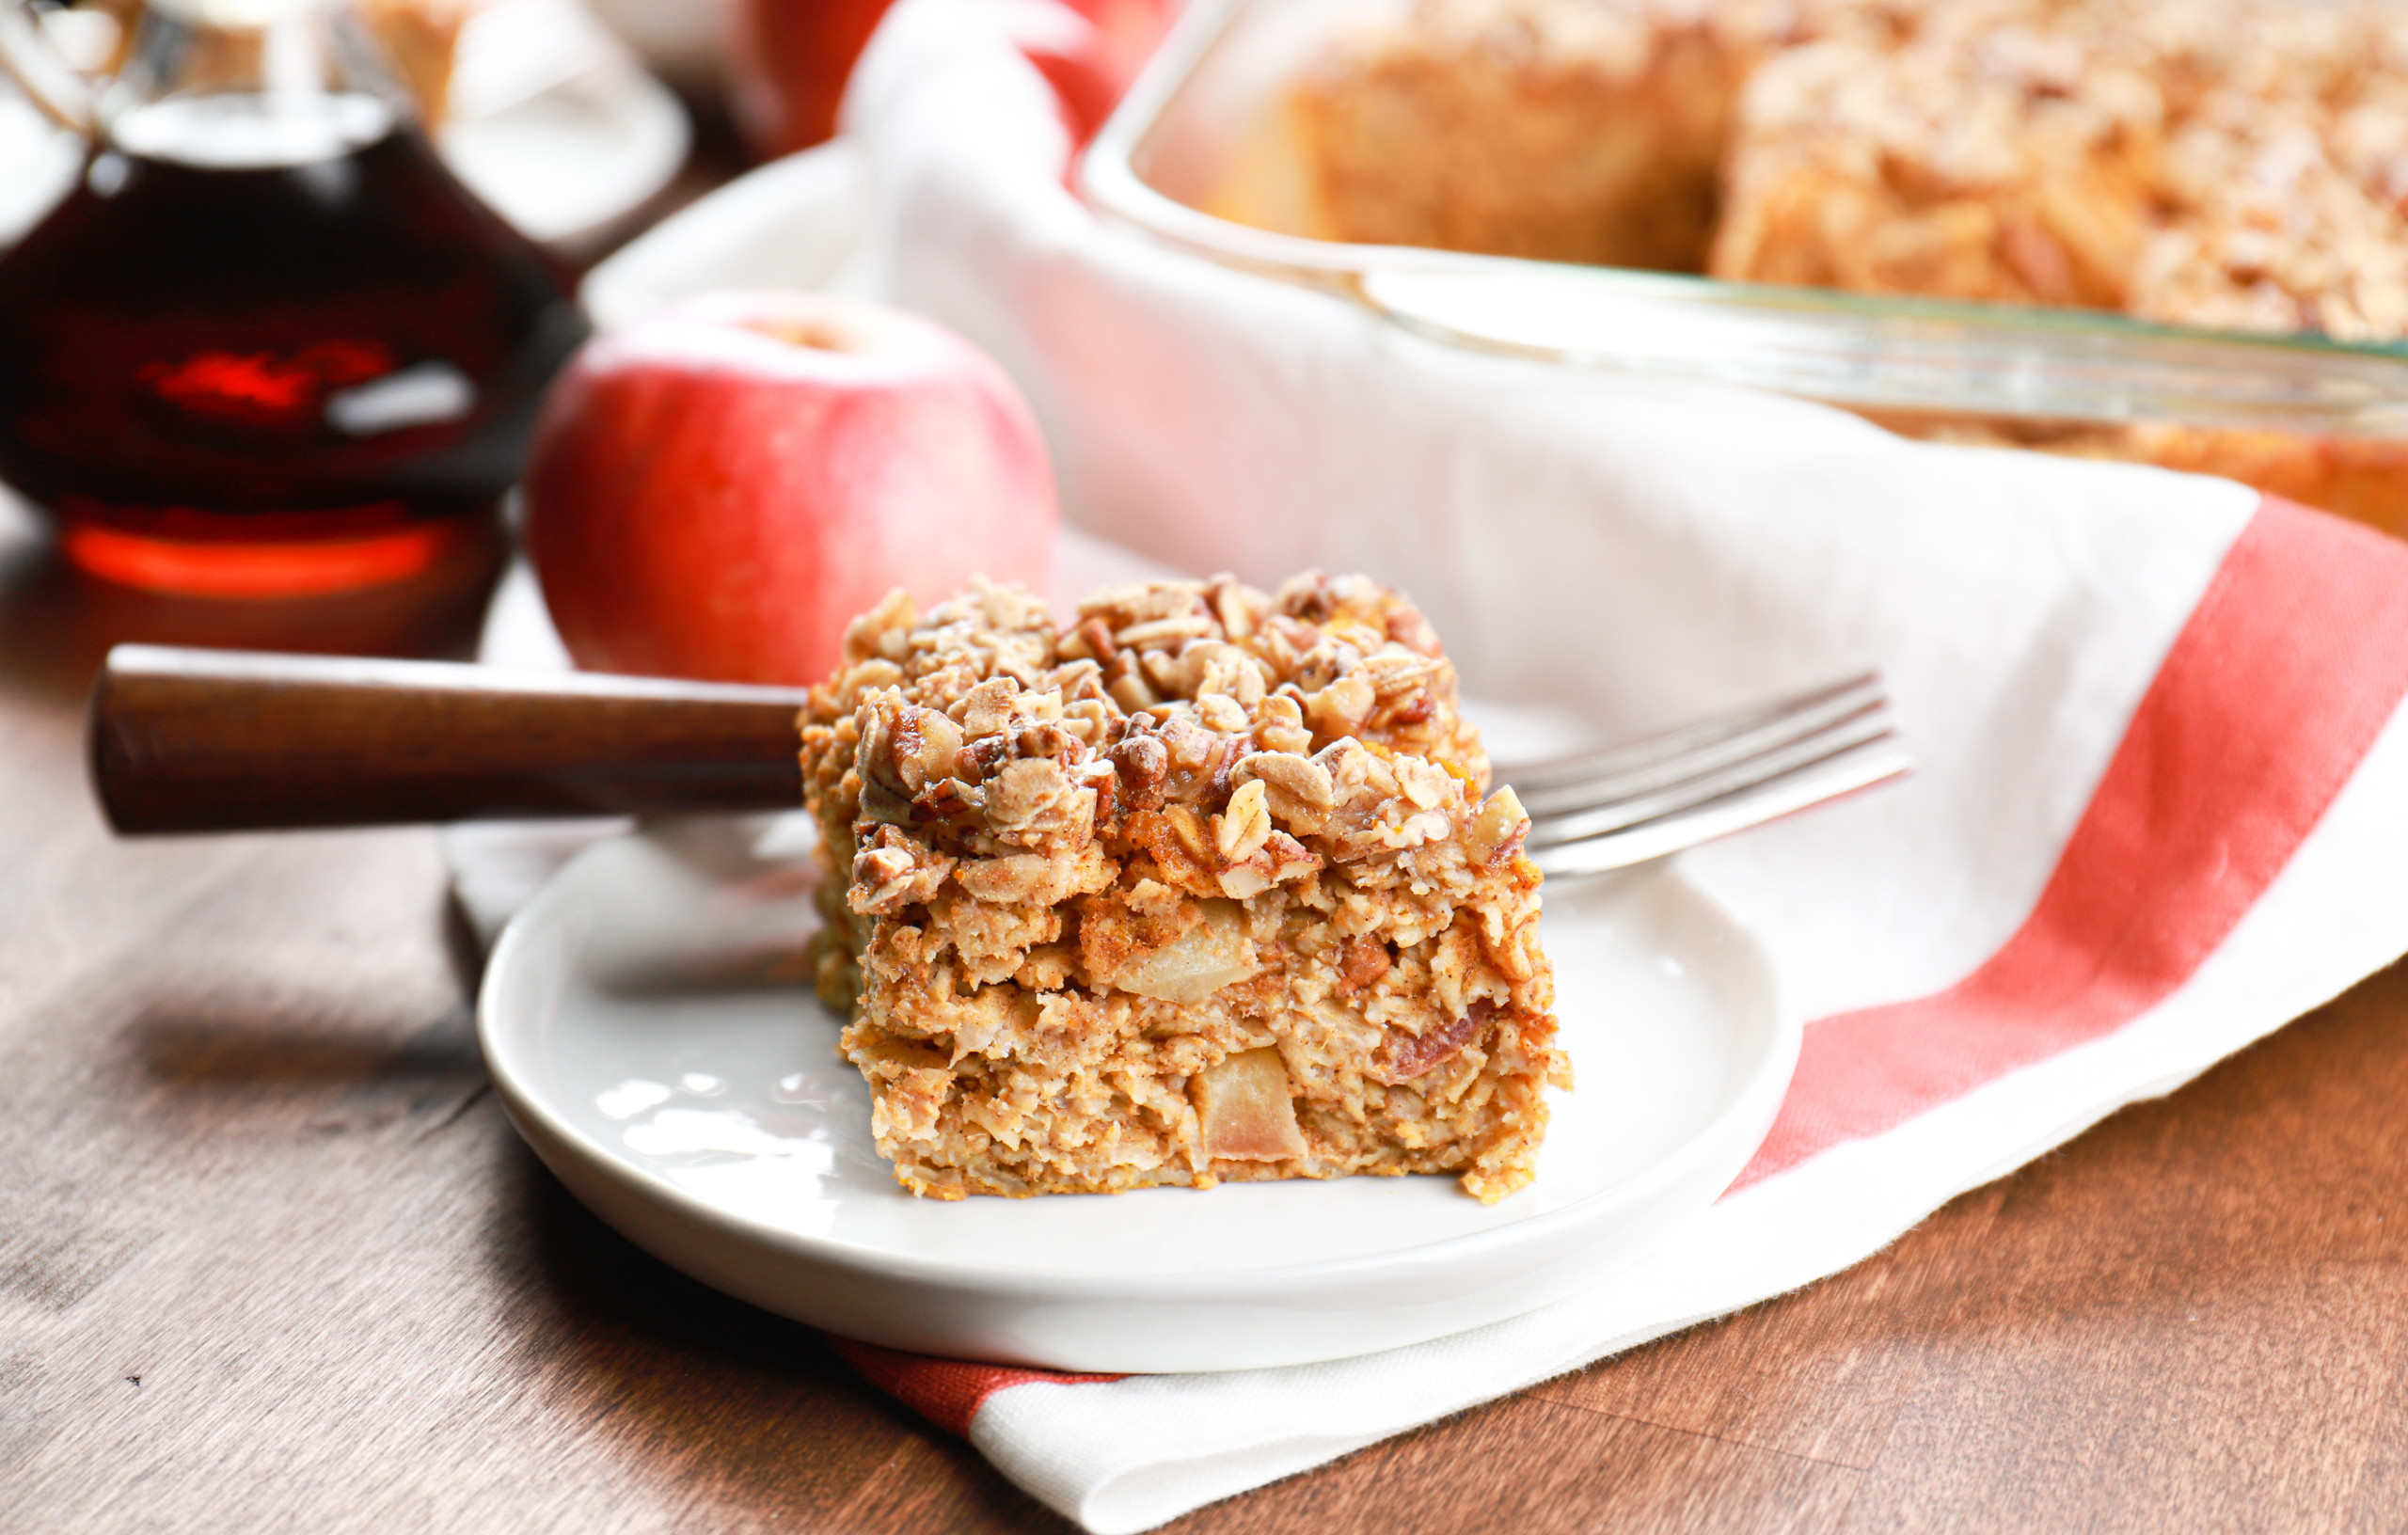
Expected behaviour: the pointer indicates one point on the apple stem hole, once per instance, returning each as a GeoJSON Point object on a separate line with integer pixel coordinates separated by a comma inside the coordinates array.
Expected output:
{"type": "Point", "coordinates": [818, 335]}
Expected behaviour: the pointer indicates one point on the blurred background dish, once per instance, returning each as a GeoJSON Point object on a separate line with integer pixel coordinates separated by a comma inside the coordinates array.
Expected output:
{"type": "Point", "coordinates": [1456, 163]}
{"type": "Point", "coordinates": [37, 162]}
{"type": "Point", "coordinates": [553, 122]}
{"type": "Point", "coordinates": [536, 105]}
{"type": "Point", "coordinates": [684, 42]}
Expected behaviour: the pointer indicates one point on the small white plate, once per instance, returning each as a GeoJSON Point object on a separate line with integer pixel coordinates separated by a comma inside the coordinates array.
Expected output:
{"type": "Point", "coordinates": [645, 1025]}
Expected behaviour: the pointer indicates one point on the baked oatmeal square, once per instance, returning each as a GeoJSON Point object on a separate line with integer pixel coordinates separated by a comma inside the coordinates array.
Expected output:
{"type": "Point", "coordinates": [1199, 884]}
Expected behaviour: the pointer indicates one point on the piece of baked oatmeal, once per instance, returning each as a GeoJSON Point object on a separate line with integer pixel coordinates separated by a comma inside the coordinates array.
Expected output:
{"type": "Point", "coordinates": [1204, 884]}
{"type": "Point", "coordinates": [1560, 130]}
{"type": "Point", "coordinates": [1535, 128]}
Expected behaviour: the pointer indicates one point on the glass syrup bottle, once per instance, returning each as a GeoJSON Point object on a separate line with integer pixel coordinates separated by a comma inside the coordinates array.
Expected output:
{"type": "Point", "coordinates": [268, 345]}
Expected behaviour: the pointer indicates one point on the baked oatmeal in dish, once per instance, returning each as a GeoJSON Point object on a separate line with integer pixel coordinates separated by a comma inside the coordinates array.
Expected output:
{"type": "Point", "coordinates": [2235, 165]}
{"type": "Point", "coordinates": [1198, 884]}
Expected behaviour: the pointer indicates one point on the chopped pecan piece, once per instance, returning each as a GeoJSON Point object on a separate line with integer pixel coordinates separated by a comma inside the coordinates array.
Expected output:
{"type": "Point", "coordinates": [924, 744]}
{"type": "Point", "coordinates": [945, 801]}
{"type": "Point", "coordinates": [1367, 960]}
{"type": "Point", "coordinates": [894, 871]}
{"type": "Point", "coordinates": [1141, 762]}
{"type": "Point", "coordinates": [1496, 833]}
{"type": "Point", "coordinates": [981, 757]}
{"type": "Point", "coordinates": [1404, 1056]}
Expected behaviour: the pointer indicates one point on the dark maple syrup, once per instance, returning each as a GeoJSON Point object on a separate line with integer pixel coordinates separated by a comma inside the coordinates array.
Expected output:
{"type": "Point", "coordinates": [260, 355]}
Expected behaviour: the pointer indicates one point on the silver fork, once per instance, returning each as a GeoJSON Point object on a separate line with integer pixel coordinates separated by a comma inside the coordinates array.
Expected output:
{"type": "Point", "coordinates": [1611, 809]}
{"type": "Point", "coordinates": [201, 740]}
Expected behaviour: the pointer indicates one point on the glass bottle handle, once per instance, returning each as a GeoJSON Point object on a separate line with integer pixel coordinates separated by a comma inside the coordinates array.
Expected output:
{"type": "Point", "coordinates": [48, 81]}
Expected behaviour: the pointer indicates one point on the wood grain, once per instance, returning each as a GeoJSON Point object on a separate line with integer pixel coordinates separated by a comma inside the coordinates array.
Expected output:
{"type": "Point", "coordinates": [270, 1259]}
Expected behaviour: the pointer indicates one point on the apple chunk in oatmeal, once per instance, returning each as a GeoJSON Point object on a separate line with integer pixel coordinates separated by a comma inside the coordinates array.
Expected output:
{"type": "Point", "coordinates": [1199, 884]}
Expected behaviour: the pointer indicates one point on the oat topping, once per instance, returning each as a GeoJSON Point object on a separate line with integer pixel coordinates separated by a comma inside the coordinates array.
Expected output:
{"type": "Point", "coordinates": [2222, 163]}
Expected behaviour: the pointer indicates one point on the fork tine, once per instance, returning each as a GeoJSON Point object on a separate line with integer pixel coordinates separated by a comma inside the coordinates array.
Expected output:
{"type": "Point", "coordinates": [1852, 769]}
{"type": "Point", "coordinates": [1698, 787]}
{"type": "Point", "coordinates": [1576, 783]}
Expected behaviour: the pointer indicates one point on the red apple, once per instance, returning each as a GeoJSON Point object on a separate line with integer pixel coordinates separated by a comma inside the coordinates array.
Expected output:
{"type": "Point", "coordinates": [793, 58]}
{"type": "Point", "coordinates": [1089, 75]}
{"type": "Point", "coordinates": [790, 64]}
{"type": "Point", "coordinates": [717, 490]}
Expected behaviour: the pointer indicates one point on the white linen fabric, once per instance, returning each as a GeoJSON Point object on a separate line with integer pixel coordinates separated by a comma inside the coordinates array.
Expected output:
{"type": "Point", "coordinates": [1643, 552]}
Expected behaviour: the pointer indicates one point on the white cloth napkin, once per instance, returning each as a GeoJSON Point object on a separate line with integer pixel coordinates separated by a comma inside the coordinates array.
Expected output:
{"type": "Point", "coordinates": [2163, 794]}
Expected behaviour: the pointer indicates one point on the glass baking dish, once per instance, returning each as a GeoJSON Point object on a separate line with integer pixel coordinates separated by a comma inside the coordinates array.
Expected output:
{"type": "Point", "coordinates": [1198, 138]}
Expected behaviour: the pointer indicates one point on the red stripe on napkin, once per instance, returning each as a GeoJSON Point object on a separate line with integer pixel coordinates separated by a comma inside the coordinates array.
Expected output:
{"type": "Point", "coordinates": [2277, 687]}
{"type": "Point", "coordinates": [947, 1392]}
{"type": "Point", "coordinates": [2278, 684]}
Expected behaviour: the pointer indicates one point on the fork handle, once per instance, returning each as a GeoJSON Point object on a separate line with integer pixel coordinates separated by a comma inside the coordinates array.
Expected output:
{"type": "Point", "coordinates": [202, 740]}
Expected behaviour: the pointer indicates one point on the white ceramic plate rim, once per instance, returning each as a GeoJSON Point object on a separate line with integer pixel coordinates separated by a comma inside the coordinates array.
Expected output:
{"type": "Point", "coordinates": [1755, 1099]}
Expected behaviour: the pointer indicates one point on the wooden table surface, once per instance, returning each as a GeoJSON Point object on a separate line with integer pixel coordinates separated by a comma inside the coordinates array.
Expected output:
{"type": "Point", "coordinates": [270, 1260]}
